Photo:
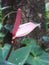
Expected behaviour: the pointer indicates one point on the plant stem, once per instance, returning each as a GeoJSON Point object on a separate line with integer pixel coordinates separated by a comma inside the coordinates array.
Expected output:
{"type": "Point", "coordinates": [9, 52]}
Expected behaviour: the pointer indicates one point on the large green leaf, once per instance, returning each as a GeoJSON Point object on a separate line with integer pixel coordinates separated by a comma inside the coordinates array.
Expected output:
{"type": "Point", "coordinates": [38, 56]}
{"type": "Point", "coordinates": [4, 51]}
{"type": "Point", "coordinates": [36, 50]}
{"type": "Point", "coordinates": [5, 63]}
{"type": "Point", "coordinates": [39, 60]}
{"type": "Point", "coordinates": [19, 56]}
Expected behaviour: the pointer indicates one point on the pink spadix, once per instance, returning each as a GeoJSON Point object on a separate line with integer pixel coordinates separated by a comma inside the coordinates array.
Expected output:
{"type": "Point", "coordinates": [17, 22]}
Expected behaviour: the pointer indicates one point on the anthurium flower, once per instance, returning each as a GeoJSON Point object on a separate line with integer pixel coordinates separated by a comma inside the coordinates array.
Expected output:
{"type": "Point", "coordinates": [20, 30]}
{"type": "Point", "coordinates": [23, 29]}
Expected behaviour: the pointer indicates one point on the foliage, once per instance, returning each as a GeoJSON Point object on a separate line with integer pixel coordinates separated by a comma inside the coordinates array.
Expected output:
{"type": "Point", "coordinates": [37, 56]}
{"type": "Point", "coordinates": [47, 6]}
{"type": "Point", "coordinates": [1, 21]}
{"type": "Point", "coordinates": [18, 56]}
{"type": "Point", "coordinates": [31, 54]}
{"type": "Point", "coordinates": [47, 16]}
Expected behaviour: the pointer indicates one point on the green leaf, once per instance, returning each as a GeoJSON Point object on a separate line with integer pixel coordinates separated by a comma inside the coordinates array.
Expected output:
{"type": "Point", "coordinates": [47, 14]}
{"type": "Point", "coordinates": [9, 27]}
{"type": "Point", "coordinates": [1, 20]}
{"type": "Point", "coordinates": [28, 41]}
{"type": "Point", "coordinates": [38, 56]}
{"type": "Point", "coordinates": [39, 60]}
{"type": "Point", "coordinates": [0, 12]}
{"type": "Point", "coordinates": [5, 63]}
{"type": "Point", "coordinates": [36, 50]}
{"type": "Point", "coordinates": [1, 37]}
{"type": "Point", "coordinates": [45, 39]}
{"type": "Point", "coordinates": [4, 51]}
{"type": "Point", "coordinates": [19, 56]}
{"type": "Point", "coordinates": [47, 49]}
{"type": "Point", "coordinates": [0, 45]}
{"type": "Point", "coordinates": [45, 57]}
{"type": "Point", "coordinates": [0, 26]}
{"type": "Point", "coordinates": [47, 6]}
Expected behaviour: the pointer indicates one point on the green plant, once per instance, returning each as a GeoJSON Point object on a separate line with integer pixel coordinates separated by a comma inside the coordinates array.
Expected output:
{"type": "Point", "coordinates": [47, 17]}
{"type": "Point", "coordinates": [37, 55]}
{"type": "Point", "coordinates": [4, 51]}
{"type": "Point", "coordinates": [30, 54]}
{"type": "Point", "coordinates": [1, 21]}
